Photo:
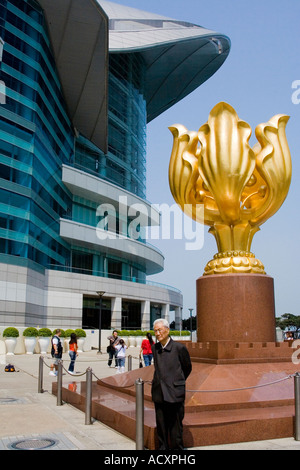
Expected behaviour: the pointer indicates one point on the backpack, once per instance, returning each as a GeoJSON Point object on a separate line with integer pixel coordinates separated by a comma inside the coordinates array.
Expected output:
{"type": "Point", "coordinates": [9, 368]}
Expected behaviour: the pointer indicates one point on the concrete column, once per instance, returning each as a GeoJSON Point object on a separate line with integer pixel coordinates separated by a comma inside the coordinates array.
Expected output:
{"type": "Point", "coordinates": [145, 315]}
{"type": "Point", "coordinates": [178, 316]}
{"type": "Point", "coordinates": [116, 312]}
{"type": "Point", "coordinates": [165, 312]}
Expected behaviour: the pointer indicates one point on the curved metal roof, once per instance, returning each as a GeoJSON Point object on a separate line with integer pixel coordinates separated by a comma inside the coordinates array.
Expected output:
{"type": "Point", "coordinates": [79, 35]}
{"type": "Point", "coordinates": [179, 57]}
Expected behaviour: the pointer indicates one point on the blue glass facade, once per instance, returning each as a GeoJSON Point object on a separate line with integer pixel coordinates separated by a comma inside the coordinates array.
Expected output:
{"type": "Point", "coordinates": [125, 163]}
{"type": "Point", "coordinates": [36, 137]}
{"type": "Point", "coordinates": [127, 118]}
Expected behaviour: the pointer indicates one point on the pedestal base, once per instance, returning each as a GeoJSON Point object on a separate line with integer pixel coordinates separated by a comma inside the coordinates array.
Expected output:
{"type": "Point", "coordinates": [230, 352]}
{"type": "Point", "coordinates": [225, 402]}
{"type": "Point", "coordinates": [241, 387]}
{"type": "Point", "coordinates": [236, 307]}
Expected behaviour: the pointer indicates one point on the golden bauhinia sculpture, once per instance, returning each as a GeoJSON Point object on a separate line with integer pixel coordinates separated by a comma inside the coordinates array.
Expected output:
{"type": "Point", "coordinates": [240, 187]}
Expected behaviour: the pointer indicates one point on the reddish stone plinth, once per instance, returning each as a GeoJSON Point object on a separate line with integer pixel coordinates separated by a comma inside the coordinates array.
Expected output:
{"type": "Point", "coordinates": [235, 307]}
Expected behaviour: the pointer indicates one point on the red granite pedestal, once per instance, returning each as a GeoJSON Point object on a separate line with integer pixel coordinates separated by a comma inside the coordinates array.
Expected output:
{"type": "Point", "coordinates": [235, 307]}
{"type": "Point", "coordinates": [241, 387]}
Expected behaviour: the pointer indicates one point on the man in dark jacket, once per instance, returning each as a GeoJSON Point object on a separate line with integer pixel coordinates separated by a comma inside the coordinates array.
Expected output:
{"type": "Point", "coordinates": [172, 367]}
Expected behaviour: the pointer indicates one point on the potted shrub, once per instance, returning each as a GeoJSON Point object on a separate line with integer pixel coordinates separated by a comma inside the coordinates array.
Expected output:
{"type": "Point", "coordinates": [81, 335]}
{"type": "Point", "coordinates": [132, 339]}
{"type": "Point", "coordinates": [44, 339]}
{"type": "Point", "coordinates": [68, 333]}
{"type": "Point", "coordinates": [30, 337]}
{"type": "Point", "coordinates": [10, 336]}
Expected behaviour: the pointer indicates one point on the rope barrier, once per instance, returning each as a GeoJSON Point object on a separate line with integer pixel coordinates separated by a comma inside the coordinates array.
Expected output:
{"type": "Point", "coordinates": [85, 361]}
{"type": "Point", "coordinates": [42, 357]}
{"type": "Point", "coordinates": [244, 388]}
{"type": "Point", "coordinates": [187, 391]}
{"type": "Point", "coordinates": [77, 374]}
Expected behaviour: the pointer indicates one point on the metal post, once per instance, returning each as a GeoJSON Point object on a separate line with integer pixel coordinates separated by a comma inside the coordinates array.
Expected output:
{"type": "Point", "coordinates": [40, 379]}
{"type": "Point", "coordinates": [88, 398]}
{"type": "Point", "coordinates": [59, 383]}
{"type": "Point", "coordinates": [139, 414]}
{"type": "Point", "coordinates": [297, 405]}
{"type": "Point", "coordinates": [129, 363]}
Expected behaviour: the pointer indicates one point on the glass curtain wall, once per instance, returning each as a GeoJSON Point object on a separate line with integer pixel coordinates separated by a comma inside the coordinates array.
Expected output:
{"type": "Point", "coordinates": [124, 164]}
{"type": "Point", "coordinates": [35, 139]}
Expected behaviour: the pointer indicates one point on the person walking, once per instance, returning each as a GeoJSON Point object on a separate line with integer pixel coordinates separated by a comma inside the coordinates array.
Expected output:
{"type": "Point", "coordinates": [172, 366]}
{"type": "Point", "coordinates": [146, 349]}
{"type": "Point", "coordinates": [56, 351]}
{"type": "Point", "coordinates": [121, 353]}
{"type": "Point", "coordinates": [73, 352]}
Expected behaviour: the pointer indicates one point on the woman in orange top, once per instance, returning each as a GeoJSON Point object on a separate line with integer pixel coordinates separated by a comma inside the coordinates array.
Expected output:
{"type": "Point", "coordinates": [146, 349]}
{"type": "Point", "coordinates": [72, 352]}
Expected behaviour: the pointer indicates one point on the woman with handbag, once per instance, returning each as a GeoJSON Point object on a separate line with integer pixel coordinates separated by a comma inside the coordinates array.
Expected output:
{"type": "Point", "coordinates": [146, 349]}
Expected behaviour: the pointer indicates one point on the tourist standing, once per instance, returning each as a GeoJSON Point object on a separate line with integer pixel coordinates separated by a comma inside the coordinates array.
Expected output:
{"type": "Point", "coordinates": [146, 349]}
{"type": "Point", "coordinates": [113, 341]}
{"type": "Point", "coordinates": [121, 354]}
{"type": "Point", "coordinates": [73, 352]}
{"type": "Point", "coordinates": [172, 367]}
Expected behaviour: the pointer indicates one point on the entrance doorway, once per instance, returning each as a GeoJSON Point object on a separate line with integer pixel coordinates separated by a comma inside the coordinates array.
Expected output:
{"type": "Point", "coordinates": [131, 315]}
{"type": "Point", "coordinates": [91, 313]}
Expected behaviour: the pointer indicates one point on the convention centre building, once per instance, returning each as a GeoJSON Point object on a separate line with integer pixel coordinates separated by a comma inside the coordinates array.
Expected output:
{"type": "Point", "coordinates": [79, 81]}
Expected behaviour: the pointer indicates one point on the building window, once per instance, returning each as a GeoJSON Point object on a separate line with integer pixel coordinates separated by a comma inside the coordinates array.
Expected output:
{"type": "Point", "coordinates": [131, 315]}
{"type": "Point", "coordinates": [82, 263]}
{"type": "Point", "coordinates": [91, 313]}
{"type": "Point", "coordinates": [114, 269]}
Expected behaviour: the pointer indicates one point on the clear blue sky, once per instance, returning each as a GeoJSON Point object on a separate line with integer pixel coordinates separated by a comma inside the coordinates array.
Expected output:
{"type": "Point", "coordinates": [256, 80]}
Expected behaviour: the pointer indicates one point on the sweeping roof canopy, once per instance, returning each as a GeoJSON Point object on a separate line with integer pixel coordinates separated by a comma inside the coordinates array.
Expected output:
{"type": "Point", "coordinates": [179, 56]}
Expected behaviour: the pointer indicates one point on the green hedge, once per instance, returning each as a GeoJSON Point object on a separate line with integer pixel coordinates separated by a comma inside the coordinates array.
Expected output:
{"type": "Point", "coordinates": [177, 333]}
{"type": "Point", "coordinates": [143, 333]}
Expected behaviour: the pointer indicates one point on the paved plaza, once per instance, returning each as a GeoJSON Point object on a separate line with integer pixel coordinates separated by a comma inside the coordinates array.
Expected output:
{"type": "Point", "coordinates": [26, 414]}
